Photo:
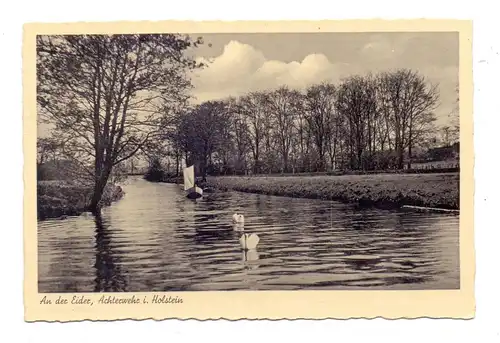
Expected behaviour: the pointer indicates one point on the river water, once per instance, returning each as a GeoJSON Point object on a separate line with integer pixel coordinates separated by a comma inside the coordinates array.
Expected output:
{"type": "Point", "coordinates": [155, 239]}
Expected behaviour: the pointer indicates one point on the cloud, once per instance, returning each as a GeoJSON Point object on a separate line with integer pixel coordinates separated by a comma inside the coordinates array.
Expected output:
{"type": "Point", "coordinates": [241, 68]}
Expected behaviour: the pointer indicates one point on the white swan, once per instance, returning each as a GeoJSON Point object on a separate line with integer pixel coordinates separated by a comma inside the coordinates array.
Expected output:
{"type": "Point", "coordinates": [249, 241]}
{"type": "Point", "coordinates": [238, 218]}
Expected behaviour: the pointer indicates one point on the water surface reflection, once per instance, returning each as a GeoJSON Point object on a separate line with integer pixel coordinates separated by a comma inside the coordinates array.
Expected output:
{"type": "Point", "coordinates": [155, 239]}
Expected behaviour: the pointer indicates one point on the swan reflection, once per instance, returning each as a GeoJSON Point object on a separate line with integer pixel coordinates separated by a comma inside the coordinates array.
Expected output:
{"type": "Point", "coordinates": [249, 257]}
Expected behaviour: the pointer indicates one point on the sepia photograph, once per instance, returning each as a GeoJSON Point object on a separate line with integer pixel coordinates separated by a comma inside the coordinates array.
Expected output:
{"type": "Point", "coordinates": [248, 161]}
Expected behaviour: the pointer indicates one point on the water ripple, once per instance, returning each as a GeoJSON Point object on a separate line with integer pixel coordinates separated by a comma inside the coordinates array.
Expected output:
{"type": "Point", "coordinates": [155, 239]}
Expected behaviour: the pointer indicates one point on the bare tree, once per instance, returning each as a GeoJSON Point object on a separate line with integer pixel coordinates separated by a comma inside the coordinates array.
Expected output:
{"type": "Point", "coordinates": [284, 105]}
{"type": "Point", "coordinates": [455, 119]}
{"type": "Point", "coordinates": [319, 109]}
{"type": "Point", "coordinates": [253, 107]}
{"type": "Point", "coordinates": [105, 94]}
{"type": "Point", "coordinates": [363, 123]}
{"type": "Point", "coordinates": [335, 145]}
{"type": "Point", "coordinates": [356, 101]}
{"type": "Point", "coordinates": [409, 103]}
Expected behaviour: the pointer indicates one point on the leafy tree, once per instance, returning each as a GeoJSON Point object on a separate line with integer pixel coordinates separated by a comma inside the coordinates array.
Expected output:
{"type": "Point", "coordinates": [47, 149]}
{"type": "Point", "coordinates": [203, 132]}
{"type": "Point", "coordinates": [107, 95]}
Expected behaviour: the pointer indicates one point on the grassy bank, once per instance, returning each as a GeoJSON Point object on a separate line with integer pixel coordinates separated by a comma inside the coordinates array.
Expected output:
{"type": "Point", "coordinates": [384, 190]}
{"type": "Point", "coordinates": [64, 198]}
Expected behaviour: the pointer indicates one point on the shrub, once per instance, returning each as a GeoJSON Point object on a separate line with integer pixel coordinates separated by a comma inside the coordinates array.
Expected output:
{"type": "Point", "coordinates": [59, 198]}
{"type": "Point", "coordinates": [155, 172]}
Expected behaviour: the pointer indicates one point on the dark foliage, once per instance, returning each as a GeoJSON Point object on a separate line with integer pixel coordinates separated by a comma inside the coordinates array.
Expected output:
{"type": "Point", "coordinates": [155, 172]}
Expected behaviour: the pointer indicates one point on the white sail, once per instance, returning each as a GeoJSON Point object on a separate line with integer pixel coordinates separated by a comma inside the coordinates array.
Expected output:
{"type": "Point", "coordinates": [188, 178]}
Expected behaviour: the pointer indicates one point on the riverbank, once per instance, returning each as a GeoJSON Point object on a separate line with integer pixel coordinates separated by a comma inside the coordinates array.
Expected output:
{"type": "Point", "coordinates": [64, 198]}
{"type": "Point", "coordinates": [381, 190]}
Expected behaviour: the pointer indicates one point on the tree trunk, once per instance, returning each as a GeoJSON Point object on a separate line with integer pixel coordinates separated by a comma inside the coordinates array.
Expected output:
{"type": "Point", "coordinates": [360, 159]}
{"type": "Point", "coordinates": [176, 165]}
{"type": "Point", "coordinates": [400, 157]}
{"type": "Point", "coordinates": [409, 156]}
{"type": "Point", "coordinates": [409, 146]}
{"type": "Point", "coordinates": [99, 185]}
{"type": "Point", "coordinates": [256, 157]}
{"type": "Point", "coordinates": [321, 158]}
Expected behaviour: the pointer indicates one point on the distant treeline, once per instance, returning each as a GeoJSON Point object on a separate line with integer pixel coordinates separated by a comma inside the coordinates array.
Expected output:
{"type": "Point", "coordinates": [373, 122]}
{"type": "Point", "coordinates": [172, 178]}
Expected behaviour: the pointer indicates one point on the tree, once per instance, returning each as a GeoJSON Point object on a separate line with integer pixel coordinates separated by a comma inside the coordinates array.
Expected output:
{"type": "Point", "coordinates": [335, 139]}
{"type": "Point", "coordinates": [253, 108]}
{"type": "Point", "coordinates": [155, 170]}
{"type": "Point", "coordinates": [319, 109]}
{"type": "Point", "coordinates": [201, 132]}
{"type": "Point", "coordinates": [357, 103]}
{"type": "Point", "coordinates": [284, 105]}
{"type": "Point", "coordinates": [47, 149]}
{"type": "Point", "coordinates": [408, 101]}
{"type": "Point", "coordinates": [454, 128]}
{"type": "Point", "coordinates": [106, 94]}
{"type": "Point", "coordinates": [241, 141]}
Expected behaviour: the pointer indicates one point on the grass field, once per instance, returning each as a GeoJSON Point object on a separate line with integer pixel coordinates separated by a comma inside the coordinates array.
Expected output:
{"type": "Point", "coordinates": [387, 190]}
{"type": "Point", "coordinates": [64, 198]}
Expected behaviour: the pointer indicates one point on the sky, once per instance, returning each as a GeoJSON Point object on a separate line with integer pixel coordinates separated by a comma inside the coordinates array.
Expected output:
{"type": "Point", "coordinates": [243, 62]}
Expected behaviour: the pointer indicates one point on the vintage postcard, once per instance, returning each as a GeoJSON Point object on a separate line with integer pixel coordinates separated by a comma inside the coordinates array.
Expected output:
{"type": "Point", "coordinates": [248, 170]}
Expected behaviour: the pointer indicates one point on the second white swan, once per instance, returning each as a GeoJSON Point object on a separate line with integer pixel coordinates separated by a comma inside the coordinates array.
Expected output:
{"type": "Point", "coordinates": [238, 218]}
